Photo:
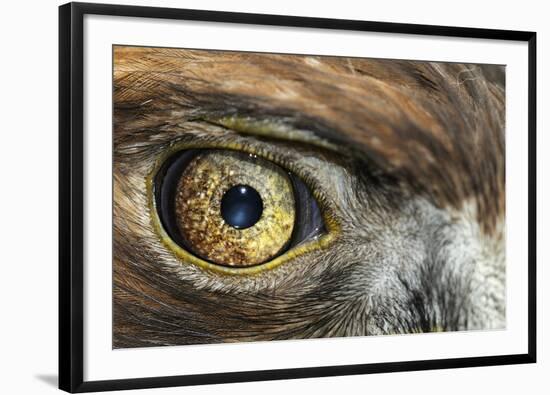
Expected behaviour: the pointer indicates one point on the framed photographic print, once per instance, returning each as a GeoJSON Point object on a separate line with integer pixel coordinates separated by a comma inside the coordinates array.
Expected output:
{"type": "Point", "coordinates": [258, 197]}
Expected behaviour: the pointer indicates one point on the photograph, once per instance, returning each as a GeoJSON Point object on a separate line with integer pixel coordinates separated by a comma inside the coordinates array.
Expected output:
{"type": "Point", "coordinates": [263, 196]}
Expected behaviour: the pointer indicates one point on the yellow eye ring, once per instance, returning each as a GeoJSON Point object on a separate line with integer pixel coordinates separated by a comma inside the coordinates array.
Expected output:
{"type": "Point", "coordinates": [331, 225]}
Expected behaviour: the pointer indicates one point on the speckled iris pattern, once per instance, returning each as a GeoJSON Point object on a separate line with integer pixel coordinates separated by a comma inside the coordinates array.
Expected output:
{"type": "Point", "coordinates": [200, 190]}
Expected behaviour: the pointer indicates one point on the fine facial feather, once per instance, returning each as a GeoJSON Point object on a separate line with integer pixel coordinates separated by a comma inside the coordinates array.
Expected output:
{"type": "Point", "coordinates": [417, 184]}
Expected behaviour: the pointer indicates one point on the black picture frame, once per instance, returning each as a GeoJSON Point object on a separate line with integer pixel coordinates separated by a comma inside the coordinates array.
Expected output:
{"type": "Point", "coordinates": [71, 198]}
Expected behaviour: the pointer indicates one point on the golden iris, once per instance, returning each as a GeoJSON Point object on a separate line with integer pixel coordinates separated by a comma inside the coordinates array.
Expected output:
{"type": "Point", "coordinates": [205, 181]}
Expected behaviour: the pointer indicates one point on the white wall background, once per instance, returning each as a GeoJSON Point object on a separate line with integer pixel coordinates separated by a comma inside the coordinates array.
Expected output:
{"type": "Point", "coordinates": [28, 196]}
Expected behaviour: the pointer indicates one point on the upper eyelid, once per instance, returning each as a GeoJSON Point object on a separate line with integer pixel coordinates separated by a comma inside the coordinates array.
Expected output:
{"type": "Point", "coordinates": [158, 145]}
{"type": "Point", "coordinates": [248, 115]}
{"type": "Point", "coordinates": [274, 128]}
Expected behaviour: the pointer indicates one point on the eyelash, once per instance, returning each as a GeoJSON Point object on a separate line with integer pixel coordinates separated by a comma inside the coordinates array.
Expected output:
{"type": "Point", "coordinates": [255, 148]}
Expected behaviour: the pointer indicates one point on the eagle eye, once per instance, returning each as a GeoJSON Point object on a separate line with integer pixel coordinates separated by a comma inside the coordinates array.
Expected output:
{"type": "Point", "coordinates": [231, 209]}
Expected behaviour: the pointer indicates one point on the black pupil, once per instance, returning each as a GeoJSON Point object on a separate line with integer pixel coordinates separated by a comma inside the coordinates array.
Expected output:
{"type": "Point", "coordinates": [241, 206]}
